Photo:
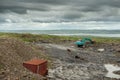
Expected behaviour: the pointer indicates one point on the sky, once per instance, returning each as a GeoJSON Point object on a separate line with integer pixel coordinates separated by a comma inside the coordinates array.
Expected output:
{"type": "Point", "coordinates": [59, 14]}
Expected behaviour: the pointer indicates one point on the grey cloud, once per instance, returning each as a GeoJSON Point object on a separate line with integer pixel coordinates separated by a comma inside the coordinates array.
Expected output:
{"type": "Point", "coordinates": [20, 7]}
{"type": "Point", "coordinates": [18, 10]}
{"type": "Point", "coordinates": [72, 16]}
{"type": "Point", "coordinates": [2, 20]}
{"type": "Point", "coordinates": [91, 9]}
{"type": "Point", "coordinates": [114, 3]}
{"type": "Point", "coordinates": [72, 10]}
{"type": "Point", "coordinates": [94, 5]}
{"type": "Point", "coordinates": [50, 2]}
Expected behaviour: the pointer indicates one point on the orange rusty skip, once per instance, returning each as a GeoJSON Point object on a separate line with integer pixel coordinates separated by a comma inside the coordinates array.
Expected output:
{"type": "Point", "coordinates": [37, 66]}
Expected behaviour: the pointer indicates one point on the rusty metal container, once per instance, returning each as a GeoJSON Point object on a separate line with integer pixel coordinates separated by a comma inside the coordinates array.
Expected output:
{"type": "Point", "coordinates": [37, 66]}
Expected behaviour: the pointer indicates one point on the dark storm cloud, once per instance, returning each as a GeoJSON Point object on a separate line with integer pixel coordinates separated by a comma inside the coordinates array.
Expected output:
{"type": "Point", "coordinates": [18, 10]}
{"type": "Point", "coordinates": [113, 3]}
{"type": "Point", "coordinates": [18, 6]}
{"type": "Point", "coordinates": [72, 16]}
{"type": "Point", "coordinates": [66, 10]}
{"type": "Point", "coordinates": [50, 2]}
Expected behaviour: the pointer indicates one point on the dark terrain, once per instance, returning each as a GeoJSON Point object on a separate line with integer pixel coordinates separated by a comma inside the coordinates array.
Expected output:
{"type": "Point", "coordinates": [84, 63]}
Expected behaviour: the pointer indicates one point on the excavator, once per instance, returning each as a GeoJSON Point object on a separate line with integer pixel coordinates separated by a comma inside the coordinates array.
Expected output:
{"type": "Point", "coordinates": [84, 42]}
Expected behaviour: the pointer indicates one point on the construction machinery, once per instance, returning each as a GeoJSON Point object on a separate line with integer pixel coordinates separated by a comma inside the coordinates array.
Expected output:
{"type": "Point", "coordinates": [84, 42]}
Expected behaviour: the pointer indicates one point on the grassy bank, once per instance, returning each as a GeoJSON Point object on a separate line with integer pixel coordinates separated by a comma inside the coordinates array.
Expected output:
{"type": "Point", "coordinates": [56, 39]}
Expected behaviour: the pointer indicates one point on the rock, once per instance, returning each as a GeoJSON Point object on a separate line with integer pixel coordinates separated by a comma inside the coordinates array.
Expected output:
{"type": "Point", "coordinates": [118, 50]}
{"type": "Point", "coordinates": [101, 50]}
{"type": "Point", "coordinates": [117, 72]}
{"type": "Point", "coordinates": [68, 72]}
{"type": "Point", "coordinates": [51, 74]}
{"type": "Point", "coordinates": [2, 76]}
{"type": "Point", "coordinates": [72, 46]}
{"type": "Point", "coordinates": [2, 73]}
{"type": "Point", "coordinates": [68, 50]}
{"type": "Point", "coordinates": [16, 78]}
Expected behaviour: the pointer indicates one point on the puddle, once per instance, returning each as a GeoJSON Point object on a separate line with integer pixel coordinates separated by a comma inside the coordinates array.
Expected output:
{"type": "Point", "coordinates": [111, 68]}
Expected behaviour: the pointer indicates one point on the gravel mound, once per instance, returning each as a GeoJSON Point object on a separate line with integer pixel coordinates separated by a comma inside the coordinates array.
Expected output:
{"type": "Point", "coordinates": [12, 54]}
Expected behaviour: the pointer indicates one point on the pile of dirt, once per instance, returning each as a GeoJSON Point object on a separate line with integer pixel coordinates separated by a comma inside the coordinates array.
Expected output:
{"type": "Point", "coordinates": [13, 53]}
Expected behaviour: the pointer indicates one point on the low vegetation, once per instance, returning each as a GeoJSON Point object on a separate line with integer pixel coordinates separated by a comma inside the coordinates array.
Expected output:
{"type": "Point", "coordinates": [56, 39]}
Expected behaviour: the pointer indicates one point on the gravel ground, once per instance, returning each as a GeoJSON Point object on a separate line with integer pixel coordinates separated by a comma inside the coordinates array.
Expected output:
{"type": "Point", "coordinates": [73, 63]}
{"type": "Point", "coordinates": [69, 61]}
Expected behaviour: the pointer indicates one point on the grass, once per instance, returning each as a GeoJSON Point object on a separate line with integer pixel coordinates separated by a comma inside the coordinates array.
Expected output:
{"type": "Point", "coordinates": [56, 39]}
{"type": "Point", "coordinates": [1, 65]}
{"type": "Point", "coordinates": [38, 38]}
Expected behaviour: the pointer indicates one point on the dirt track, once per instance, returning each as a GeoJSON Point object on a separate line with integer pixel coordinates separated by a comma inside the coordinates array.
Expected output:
{"type": "Point", "coordinates": [85, 63]}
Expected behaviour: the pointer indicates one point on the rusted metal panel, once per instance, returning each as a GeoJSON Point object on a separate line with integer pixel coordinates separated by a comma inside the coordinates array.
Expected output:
{"type": "Point", "coordinates": [32, 68]}
{"type": "Point", "coordinates": [36, 66]}
{"type": "Point", "coordinates": [43, 69]}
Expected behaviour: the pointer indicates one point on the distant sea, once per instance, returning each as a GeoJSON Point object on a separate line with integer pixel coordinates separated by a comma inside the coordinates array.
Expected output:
{"type": "Point", "coordinates": [100, 33]}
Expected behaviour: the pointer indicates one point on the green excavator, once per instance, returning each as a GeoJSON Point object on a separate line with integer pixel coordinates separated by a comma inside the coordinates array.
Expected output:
{"type": "Point", "coordinates": [84, 42]}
